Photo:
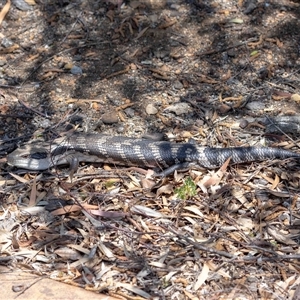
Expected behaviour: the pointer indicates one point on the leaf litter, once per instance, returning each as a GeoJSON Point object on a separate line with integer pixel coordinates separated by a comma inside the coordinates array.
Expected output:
{"type": "Point", "coordinates": [227, 233]}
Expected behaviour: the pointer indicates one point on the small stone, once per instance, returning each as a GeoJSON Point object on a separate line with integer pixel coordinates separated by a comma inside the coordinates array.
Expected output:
{"type": "Point", "coordinates": [129, 112]}
{"type": "Point", "coordinates": [282, 8]}
{"type": "Point", "coordinates": [160, 53]}
{"type": "Point", "coordinates": [6, 42]}
{"type": "Point", "coordinates": [263, 73]}
{"type": "Point", "coordinates": [255, 105]}
{"type": "Point", "coordinates": [199, 122]}
{"type": "Point", "coordinates": [151, 109]}
{"type": "Point", "coordinates": [134, 4]}
{"type": "Point", "coordinates": [45, 123]}
{"type": "Point", "coordinates": [77, 57]}
{"type": "Point", "coordinates": [175, 6]}
{"type": "Point", "coordinates": [120, 129]}
{"type": "Point", "coordinates": [179, 108]}
{"type": "Point", "coordinates": [110, 118]}
{"type": "Point", "coordinates": [146, 62]}
{"type": "Point", "coordinates": [133, 67]}
{"type": "Point", "coordinates": [76, 119]}
{"type": "Point", "coordinates": [250, 6]}
{"type": "Point", "coordinates": [21, 5]}
{"type": "Point", "coordinates": [178, 85]}
{"type": "Point", "coordinates": [243, 63]}
{"type": "Point", "coordinates": [153, 18]}
{"type": "Point", "coordinates": [244, 123]}
{"type": "Point", "coordinates": [224, 108]}
{"type": "Point", "coordinates": [75, 70]}
{"type": "Point", "coordinates": [231, 53]}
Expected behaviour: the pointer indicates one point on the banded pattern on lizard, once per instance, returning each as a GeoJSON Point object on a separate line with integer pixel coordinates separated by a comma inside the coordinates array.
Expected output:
{"type": "Point", "coordinates": [119, 150]}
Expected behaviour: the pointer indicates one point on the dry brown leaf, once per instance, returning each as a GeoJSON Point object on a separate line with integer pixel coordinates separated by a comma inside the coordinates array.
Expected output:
{"type": "Point", "coordinates": [146, 211]}
{"type": "Point", "coordinates": [30, 2]}
{"type": "Point", "coordinates": [135, 290]}
{"type": "Point", "coordinates": [279, 95]}
{"type": "Point", "coordinates": [68, 253]}
{"type": "Point", "coordinates": [5, 236]}
{"type": "Point", "coordinates": [275, 182]}
{"type": "Point", "coordinates": [165, 189]}
{"type": "Point", "coordinates": [4, 11]}
{"type": "Point", "coordinates": [296, 283]}
{"type": "Point", "coordinates": [169, 276]}
{"type": "Point", "coordinates": [202, 277]}
{"type": "Point", "coordinates": [134, 4]}
{"type": "Point", "coordinates": [213, 267]}
{"type": "Point", "coordinates": [226, 76]}
{"type": "Point", "coordinates": [108, 214]}
{"type": "Point", "coordinates": [79, 248]}
{"type": "Point", "coordinates": [279, 43]}
{"type": "Point", "coordinates": [179, 176]}
{"type": "Point", "coordinates": [255, 44]}
{"type": "Point", "coordinates": [32, 201]}
{"type": "Point", "coordinates": [278, 194]}
{"type": "Point", "coordinates": [66, 209]}
{"type": "Point", "coordinates": [232, 99]}
{"type": "Point", "coordinates": [9, 49]}
{"type": "Point", "coordinates": [27, 243]}
{"type": "Point", "coordinates": [206, 79]}
{"type": "Point", "coordinates": [72, 208]}
{"type": "Point", "coordinates": [280, 237]}
{"type": "Point", "coordinates": [167, 24]}
{"type": "Point", "coordinates": [110, 14]}
{"type": "Point", "coordinates": [269, 212]}
{"type": "Point", "coordinates": [105, 250]}
{"type": "Point", "coordinates": [142, 32]}
{"type": "Point", "coordinates": [157, 264]}
{"type": "Point", "coordinates": [190, 295]}
{"type": "Point", "coordinates": [246, 224]}
{"type": "Point", "coordinates": [289, 281]}
{"type": "Point", "coordinates": [239, 194]}
{"type": "Point", "coordinates": [270, 180]}
{"type": "Point", "coordinates": [195, 210]}
{"type": "Point", "coordinates": [19, 178]}
{"type": "Point", "coordinates": [278, 98]}
{"type": "Point", "coordinates": [147, 183]}
{"type": "Point", "coordinates": [158, 71]}
{"type": "Point", "coordinates": [127, 68]}
{"type": "Point", "coordinates": [80, 262]}
{"type": "Point", "coordinates": [215, 177]}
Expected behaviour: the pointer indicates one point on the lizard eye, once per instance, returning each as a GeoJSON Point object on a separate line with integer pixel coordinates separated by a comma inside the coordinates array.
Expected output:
{"type": "Point", "coordinates": [39, 155]}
